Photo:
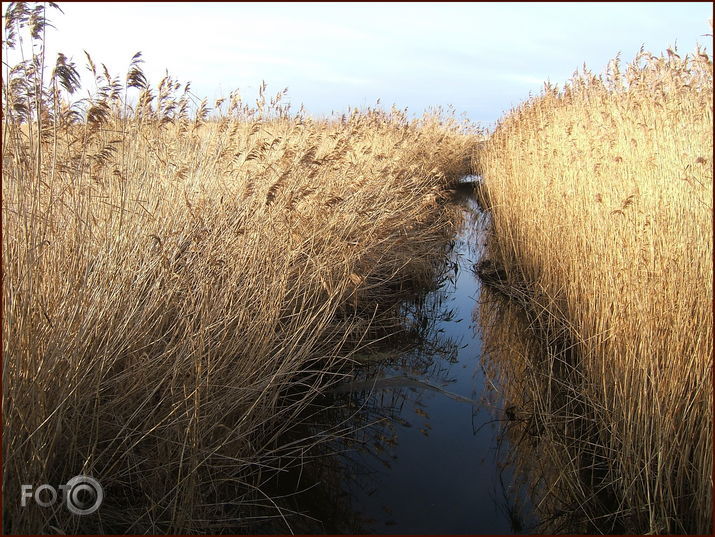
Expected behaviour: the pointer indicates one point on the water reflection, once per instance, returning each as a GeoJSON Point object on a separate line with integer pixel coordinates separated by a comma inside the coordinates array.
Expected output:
{"type": "Point", "coordinates": [546, 421]}
{"type": "Point", "coordinates": [431, 473]}
{"type": "Point", "coordinates": [418, 446]}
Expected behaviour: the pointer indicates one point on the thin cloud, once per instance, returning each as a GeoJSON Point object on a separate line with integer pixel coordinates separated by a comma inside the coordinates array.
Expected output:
{"type": "Point", "coordinates": [521, 78]}
{"type": "Point", "coordinates": [480, 57]}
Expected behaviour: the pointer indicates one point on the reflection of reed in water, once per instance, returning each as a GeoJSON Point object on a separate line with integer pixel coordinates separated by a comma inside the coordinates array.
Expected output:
{"type": "Point", "coordinates": [551, 425]}
{"type": "Point", "coordinates": [356, 430]}
{"type": "Point", "coordinates": [376, 415]}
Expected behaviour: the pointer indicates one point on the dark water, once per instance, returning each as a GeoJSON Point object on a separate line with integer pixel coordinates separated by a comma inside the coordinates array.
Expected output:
{"type": "Point", "coordinates": [422, 448]}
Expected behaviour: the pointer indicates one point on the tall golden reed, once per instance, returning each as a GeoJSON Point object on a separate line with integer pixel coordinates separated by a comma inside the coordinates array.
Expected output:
{"type": "Point", "coordinates": [601, 195]}
{"type": "Point", "coordinates": [179, 283]}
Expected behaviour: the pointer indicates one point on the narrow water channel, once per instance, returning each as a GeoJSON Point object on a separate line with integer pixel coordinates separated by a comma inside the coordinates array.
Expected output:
{"type": "Point", "coordinates": [423, 449]}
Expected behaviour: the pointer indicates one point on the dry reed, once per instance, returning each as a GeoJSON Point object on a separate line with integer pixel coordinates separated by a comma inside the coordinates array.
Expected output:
{"type": "Point", "coordinates": [180, 282]}
{"type": "Point", "coordinates": [601, 198]}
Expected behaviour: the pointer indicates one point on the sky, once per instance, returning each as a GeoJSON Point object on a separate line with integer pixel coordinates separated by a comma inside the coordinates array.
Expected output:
{"type": "Point", "coordinates": [481, 58]}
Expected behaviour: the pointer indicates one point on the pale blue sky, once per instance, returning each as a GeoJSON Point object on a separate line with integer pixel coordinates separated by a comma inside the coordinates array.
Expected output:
{"type": "Point", "coordinates": [482, 58]}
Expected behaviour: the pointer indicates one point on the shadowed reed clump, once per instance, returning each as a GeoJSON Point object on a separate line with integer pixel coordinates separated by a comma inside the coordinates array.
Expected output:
{"type": "Point", "coordinates": [601, 199]}
{"type": "Point", "coordinates": [180, 282]}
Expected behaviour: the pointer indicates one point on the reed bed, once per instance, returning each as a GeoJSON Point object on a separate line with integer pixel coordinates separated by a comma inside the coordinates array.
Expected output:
{"type": "Point", "coordinates": [601, 197]}
{"type": "Point", "coordinates": [180, 282]}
